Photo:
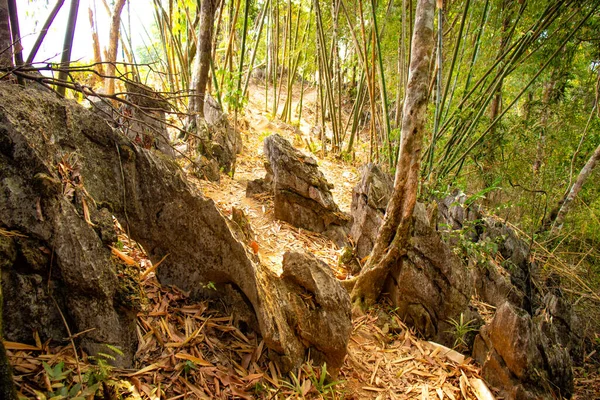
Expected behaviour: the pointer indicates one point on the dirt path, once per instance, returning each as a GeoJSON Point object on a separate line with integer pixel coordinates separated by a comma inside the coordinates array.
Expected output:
{"type": "Point", "coordinates": [275, 237]}
{"type": "Point", "coordinates": [385, 359]}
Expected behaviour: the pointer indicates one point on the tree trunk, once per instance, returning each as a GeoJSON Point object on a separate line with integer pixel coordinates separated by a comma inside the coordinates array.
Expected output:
{"type": "Point", "coordinates": [16, 34]}
{"type": "Point", "coordinates": [44, 31]}
{"type": "Point", "coordinates": [96, 46]}
{"type": "Point", "coordinates": [576, 188]}
{"type": "Point", "coordinates": [549, 88]}
{"type": "Point", "coordinates": [5, 37]}
{"type": "Point", "coordinates": [68, 45]}
{"type": "Point", "coordinates": [496, 104]}
{"type": "Point", "coordinates": [395, 228]}
{"type": "Point", "coordinates": [202, 66]}
{"type": "Point", "coordinates": [113, 45]}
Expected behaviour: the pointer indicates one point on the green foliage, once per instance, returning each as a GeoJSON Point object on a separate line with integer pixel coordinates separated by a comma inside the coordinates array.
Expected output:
{"type": "Point", "coordinates": [314, 380]}
{"type": "Point", "coordinates": [102, 370]}
{"type": "Point", "coordinates": [322, 382]}
{"type": "Point", "coordinates": [294, 385]}
{"type": "Point", "coordinates": [59, 379]}
{"type": "Point", "coordinates": [232, 96]}
{"type": "Point", "coordinates": [461, 329]}
{"type": "Point", "coordinates": [188, 366]}
{"type": "Point", "coordinates": [481, 250]}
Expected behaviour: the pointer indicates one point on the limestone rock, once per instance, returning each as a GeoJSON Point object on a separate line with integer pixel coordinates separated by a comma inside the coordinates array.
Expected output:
{"type": "Point", "coordinates": [61, 262]}
{"type": "Point", "coordinates": [302, 194]}
{"type": "Point", "coordinates": [318, 306]}
{"type": "Point", "coordinates": [520, 358]}
{"type": "Point", "coordinates": [460, 222]}
{"type": "Point", "coordinates": [257, 187]}
{"type": "Point", "coordinates": [369, 201]}
{"type": "Point", "coordinates": [206, 168]}
{"type": "Point", "coordinates": [146, 118]}
{"type": "Point", "coordinates": [218, 140]}
{"type": "Point", "coordinates": [349, 260]}
{"type": "Point", "coordinates": [527, 348]}
{"type": "Point", "coordinates": [430, 284]}
{"type": "Point", "coordinates": [148, 192]}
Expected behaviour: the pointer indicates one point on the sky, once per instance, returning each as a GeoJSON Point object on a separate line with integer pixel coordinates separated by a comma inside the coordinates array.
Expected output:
{"type": "Point", "coordinates": [33, 14]}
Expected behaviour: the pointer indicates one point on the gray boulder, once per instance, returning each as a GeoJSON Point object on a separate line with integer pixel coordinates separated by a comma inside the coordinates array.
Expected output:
{"type": "Point", "coordinates": [302, 194]}
{"type": "Point", "coordinates": [369, 201]}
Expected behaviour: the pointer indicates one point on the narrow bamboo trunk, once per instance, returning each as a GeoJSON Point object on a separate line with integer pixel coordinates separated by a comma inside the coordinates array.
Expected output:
{"type": "Point", "coordinates": [113, 46]}
{"type": "Point", "coordinates": [576, 188]}
{"type": "Point", "coordinates": [207, 15]}
{"type": "Point", "coordinates": [68, 44]}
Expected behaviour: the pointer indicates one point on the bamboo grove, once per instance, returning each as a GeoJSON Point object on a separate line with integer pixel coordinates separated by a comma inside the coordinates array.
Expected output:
{"type": "Point", "coordinates": [513, 93]}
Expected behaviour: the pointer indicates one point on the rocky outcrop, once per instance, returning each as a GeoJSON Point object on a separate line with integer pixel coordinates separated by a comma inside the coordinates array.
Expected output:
{"type": "Point", "coordinates": [318, 306]}
{"type": "Point", "coordinates": [53, 245]}
{"type": "Point", "coordinates": [465, 227]}
{"type": "Point", "coordinates": [430, 284]}
{"type": "Point", "coordinates": [369, 201]}
{"type": "Point", "coordinates": [219, 143]}
{"type": "Point", "coordinates": [65, 257]}
{"type": "Point", "coordinates": [145, 118]}
{"type": "Point", "coordinates": [302, 194]}
{"type": "Point", "coordinates": [522, 356]}
{"type": "Point", "coordinates": [526, 350]}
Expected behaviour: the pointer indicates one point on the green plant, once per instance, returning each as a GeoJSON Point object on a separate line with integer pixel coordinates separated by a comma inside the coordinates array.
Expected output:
{"type": "Point", "coordinates": [62, 389]}
{"type": "Point", "coordinates": [460, 331]}
{"type": "Point", "coordinates": [295, 386]}
{"type": "Point", "coordinates": [322, 381]}
{"type": "Point", "coordinates": [232, 93]}
{"type": "Point", "coordinates": [472, 244]}
{"type": "Point", "coordinates": [189, 366]}
{"type": "Point", "coordinates": [101, 371]}
{"type": "Point", "coordinates": [258, 389]}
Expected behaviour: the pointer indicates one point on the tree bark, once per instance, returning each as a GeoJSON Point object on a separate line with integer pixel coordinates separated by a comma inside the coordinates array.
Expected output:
{"type": "Point", "coordinates": [5, 37]}
{"type": "Point", "coordinates": [202, 66]}
{"type": "Point", "coordinates": [395, 229]}
{"type": "Point", "coordinates": [44, 31]}
{"type": "Point", "coordinates": [68, 45]}
{"type": "Point", "coordinates": [96, 46]}
{"type": "Point", "coordinates": [576, 188]}
{"type": "Point", "coordinates": [113, 45]}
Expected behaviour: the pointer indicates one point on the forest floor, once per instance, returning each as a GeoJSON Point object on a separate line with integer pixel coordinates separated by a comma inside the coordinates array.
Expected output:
{"type": "Point", "coordinates": [188, 350]}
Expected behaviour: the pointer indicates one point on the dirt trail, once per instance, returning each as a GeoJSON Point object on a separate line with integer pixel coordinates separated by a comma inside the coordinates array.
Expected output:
{"type": "Point", "coordinates": [275, 237]}
{"type": "Point", "coordinates": [385, 359]}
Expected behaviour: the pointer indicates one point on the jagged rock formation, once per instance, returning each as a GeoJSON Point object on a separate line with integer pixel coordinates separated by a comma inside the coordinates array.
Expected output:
{"type": "Point", "coordinates": [146, 122]}
{"type": "Point", "coordinates": [526, 349]}
{"type": "Point", "coordinates": [302, 194]}
{"type": "Point", "coordinates": [369, 200]}
{"type": "Point", "coordinates": [53, 261]}
{"type": "Point", "coordinates": [524, 356]}
{"type": "Point", "coordinates": [219, 143]}
{"type": "Point", "coordinates": [66, 218]}
{"type": "Point", "coordinates": [429, 285]}
{"type": "Point", "coordinates": [319, 307]}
